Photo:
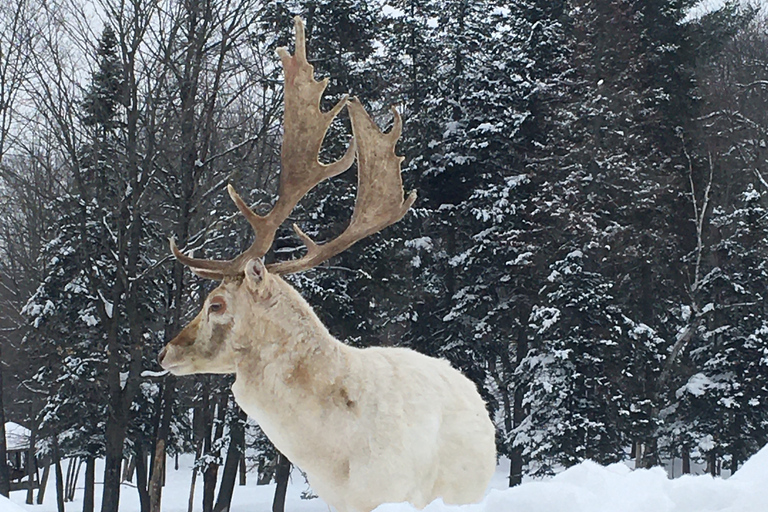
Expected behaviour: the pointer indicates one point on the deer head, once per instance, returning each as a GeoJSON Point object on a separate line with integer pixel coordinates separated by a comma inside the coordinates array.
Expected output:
{"type": "Point", "coordinates": [252, 296]}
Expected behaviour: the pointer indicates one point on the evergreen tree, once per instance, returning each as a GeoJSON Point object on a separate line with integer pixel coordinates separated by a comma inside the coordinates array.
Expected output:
{"type": "Point", "coordinates": [71, 310]}
{"type": "Point", "coordinates": [573, 358]}
{"type": "Point", "coordinates": [92, 288]}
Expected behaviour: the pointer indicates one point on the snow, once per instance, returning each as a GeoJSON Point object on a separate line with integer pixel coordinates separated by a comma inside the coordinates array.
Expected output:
{"type": "Point", "coordinates": [750, 195]}
{"type": "Point", "coordinates": [423, 243]}
{"type": "Point", "coordinates": [523, 259]}
{"type": "Point", "coordinates": [108, 306]}
{"type": "Point", "coordinates": [89, 319]}
{"type": "Point", "coordinates": [7, 505]}
{"type": "Point", "coordinates": [697, 385]}
{"type": "Point", "coordinates": [589, 487]}
{"type": "Point", "coordinates": [392, 11]}
{"type": "Point", "coordinates": [16, 436]}
{"type": "Point", "coordinates": [586, 487]}
{"type": "Point", "coordinates": [544, 318]}
{"type": "Point", "coordinates": [150, 374]}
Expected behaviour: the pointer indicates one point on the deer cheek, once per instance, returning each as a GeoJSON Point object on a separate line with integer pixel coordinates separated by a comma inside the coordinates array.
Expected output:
{"type": "Point", "coordinates": [219, 335]}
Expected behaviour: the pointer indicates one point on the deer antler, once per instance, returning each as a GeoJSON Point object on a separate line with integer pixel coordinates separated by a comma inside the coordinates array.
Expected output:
{"type": "Point", "coordinates": [379, 201]}
{"type": "Point", "coordinates": [380, 189]}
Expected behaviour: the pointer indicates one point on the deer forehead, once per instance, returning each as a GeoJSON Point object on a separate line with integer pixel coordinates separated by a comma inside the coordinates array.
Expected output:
{"type": "Point", "coordinates": [241, 299]}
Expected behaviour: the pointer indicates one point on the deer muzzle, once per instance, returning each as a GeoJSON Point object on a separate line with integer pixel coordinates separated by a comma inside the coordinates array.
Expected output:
{"type": "Point", "coordinates": [170, 356]}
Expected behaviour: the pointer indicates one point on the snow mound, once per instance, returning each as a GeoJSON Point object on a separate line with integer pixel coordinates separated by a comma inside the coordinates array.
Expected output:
{"type": "Point", "coordinates": [589, 487]}
{"type": "Point", "coordinates": [7, 506]}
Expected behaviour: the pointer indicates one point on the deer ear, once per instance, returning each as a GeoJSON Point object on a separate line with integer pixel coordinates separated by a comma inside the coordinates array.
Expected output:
{"type": "Point", "coordinates": [255, 271]}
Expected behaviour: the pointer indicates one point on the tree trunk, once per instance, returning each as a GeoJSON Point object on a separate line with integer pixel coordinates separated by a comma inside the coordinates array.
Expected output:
{"type": "Point", "coordinates": [43, 484]}
{"type": "Point", "coordinates": [31, 466]}
{"type": "Point", "coordinates": [210, 476]}
{"type": "Point", "coordinates": [5, 478]}
{"type": "Point", "coordinates": [236, 444]}
{"type": "Point", "coordinates": [68, 477]}
{"type": "Point", "coordinates": [686, 462]}
{"type": "Point", "coordinates": [243, 469]}
{"type": "Point", "coordinates": [129, 468]}
{"type": "Point", "coordinates": [112, 465]}
{"type": "Point", "coordinates": [73, 480]}
{"type": "Point", "coordinates": [712, 463]}
{"type": "Point", "coordinates": [516, 452]}
{"type": "Point", "coordinates": [89, 493]}
{"type": "Point", "coordinates": [141, 478]}
{"type": "Point", "coordinates": [191, 502]}
{"type": "Point", "coordinates": [116, 416]}
{"type": "Point", "coordinates": [516, 461]}
{"type": "Point", "coordinates": [59, 476]}
{"type": "Point", "coordinates": [651, 454]}
{"type": "Point", "coordinates": [282, 473]}
{"type": "Point", "coordinates": [211, 473]}
{"type": "Point", "coordinates": [638, 449]}
{"type": "Point", "coordinates": [736, 428]}
{"type": "Point", "coordinates": [158, 459]}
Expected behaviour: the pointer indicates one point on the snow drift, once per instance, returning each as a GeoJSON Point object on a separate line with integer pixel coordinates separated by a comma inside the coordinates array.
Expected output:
{"type": "Point", "coordinates": [589, 487]}
{"type": "Point", "coordinates": [7, 506]}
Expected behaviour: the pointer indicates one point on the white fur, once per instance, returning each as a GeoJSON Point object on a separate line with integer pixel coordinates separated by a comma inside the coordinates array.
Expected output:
{"type": "Point", "coordinates": [368, 426]}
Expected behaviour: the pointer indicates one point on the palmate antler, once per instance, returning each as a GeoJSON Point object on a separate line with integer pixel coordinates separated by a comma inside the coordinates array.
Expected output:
{"type": "Point", "coordinates": [380, 199]}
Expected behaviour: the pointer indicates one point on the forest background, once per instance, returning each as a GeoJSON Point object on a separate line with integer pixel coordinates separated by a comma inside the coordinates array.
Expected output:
{"type": "Point", "coordinates": [589, 245]}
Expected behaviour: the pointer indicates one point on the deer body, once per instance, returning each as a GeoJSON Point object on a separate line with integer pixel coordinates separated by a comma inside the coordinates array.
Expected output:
{"type": "Point", "coordinates": [368, 426]}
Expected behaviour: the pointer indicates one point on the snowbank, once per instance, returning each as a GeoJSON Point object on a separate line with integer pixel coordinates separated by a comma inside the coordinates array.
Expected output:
{"type": "Point", "coordinates": [589, 487]}
{"type": "Point", "coordinates": [7, 506]}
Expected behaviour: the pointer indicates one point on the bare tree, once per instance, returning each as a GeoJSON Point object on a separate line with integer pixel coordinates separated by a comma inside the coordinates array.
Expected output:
{"type": "Point", "coordinates": [16, 42]}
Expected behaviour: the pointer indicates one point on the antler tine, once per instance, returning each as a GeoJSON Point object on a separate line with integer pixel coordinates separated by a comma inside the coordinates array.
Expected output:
{"type": "Point", "coordinates": [379, 200]}
{"type": "Point", "coordinates": [305, 126]}
{"type": "Point", "coordinates": [209, 269]}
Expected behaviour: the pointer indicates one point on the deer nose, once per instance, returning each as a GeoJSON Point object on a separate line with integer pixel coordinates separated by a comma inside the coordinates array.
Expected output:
{"type": "Point", "coordinates": [161, 355]}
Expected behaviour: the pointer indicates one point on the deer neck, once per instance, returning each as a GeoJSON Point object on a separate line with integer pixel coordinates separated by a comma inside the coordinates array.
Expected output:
{"type": "Point", "coordinates": [289, 360]}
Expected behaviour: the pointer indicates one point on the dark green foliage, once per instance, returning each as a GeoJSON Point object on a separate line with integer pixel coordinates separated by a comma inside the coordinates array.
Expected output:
{"type": "Point", "coordinates": [102, 102]}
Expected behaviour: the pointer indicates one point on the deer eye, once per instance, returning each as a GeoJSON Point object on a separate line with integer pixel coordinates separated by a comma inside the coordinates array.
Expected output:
{"type": "Point", "coordinates": [217, 305]}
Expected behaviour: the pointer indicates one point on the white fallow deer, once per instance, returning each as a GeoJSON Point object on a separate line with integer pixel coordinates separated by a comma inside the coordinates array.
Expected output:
{"type": "Point", "coordinates": [368, 426]}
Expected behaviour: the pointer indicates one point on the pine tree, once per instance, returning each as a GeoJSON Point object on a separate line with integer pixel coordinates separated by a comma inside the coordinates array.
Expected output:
{"type": "Point", "coordinates": [711, 417]}
{"type": "Point", "coordinates": [103, 245]}
{"type": "Point", "coordinates": [70, 310]}
{"type": "Point", "coordinates": [573, 357]}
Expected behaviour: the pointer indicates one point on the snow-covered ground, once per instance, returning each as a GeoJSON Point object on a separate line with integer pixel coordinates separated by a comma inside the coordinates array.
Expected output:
{"type": "Point", "coordinates": [587, 487]}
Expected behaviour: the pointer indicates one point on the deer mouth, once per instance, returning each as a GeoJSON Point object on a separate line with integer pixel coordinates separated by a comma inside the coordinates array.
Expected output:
{"type": "Point", "coordinates": [178, 368]}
